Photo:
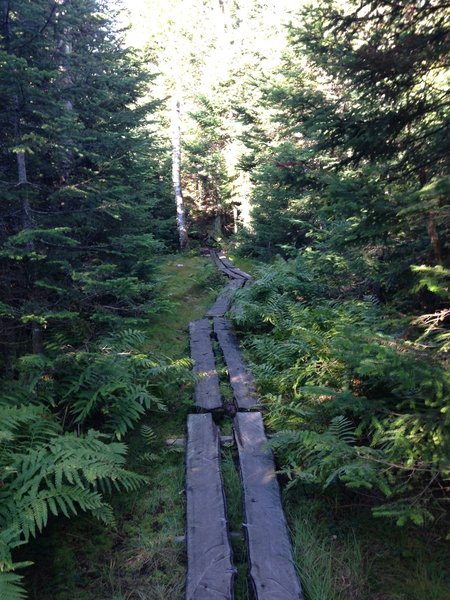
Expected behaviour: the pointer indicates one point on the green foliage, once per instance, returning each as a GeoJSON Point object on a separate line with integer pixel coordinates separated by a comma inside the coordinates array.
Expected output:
{"type": "Point", "coordinates": [51, 460]}
{"type": "Point", "coordinates": [208, 182]}
{"type": "Point", "coordinates": [80, 217]}
{"type": "Point", "coordinates": [347, 156]}
{"type": "Point", "coordinates": [84, 200]}
{"type": "Point", "coordinates": [10, 586]}
{"type": "Point", "coordinates": [353, 163]}
{"type": "Point", "coordinates": [354, 404]}
{"type": "Point", "coordinates": [108, 386]}
{"type": "Point", "coordinates": [46, 472]}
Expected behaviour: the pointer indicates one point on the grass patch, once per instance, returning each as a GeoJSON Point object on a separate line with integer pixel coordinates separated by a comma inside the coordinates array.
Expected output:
{"type": "Point", "coordinates": [244, 263]}
{"type": "Point", "coordinates": [350, 556]}
{"type": "Point", "coordinates": [330, 565]}
{"type": "Point", "coordinates": [191, 284]}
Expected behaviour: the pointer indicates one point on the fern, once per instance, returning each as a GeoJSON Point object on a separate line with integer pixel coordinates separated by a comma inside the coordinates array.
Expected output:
{"type": "Point", "coordinates": [148, 434]}
{"type": "Point", "coordinates": [109, 386]}
{"type": "Point", "coordinates": [46, 472]}
{"type": "Point", "coordinates": [11, 587]}
{"type": "Point", "coordinates": [47, 469]}
{"type": "Point", "coordinates": [342, 429]}
{"type": "Point", "coordinates": [356, 405]}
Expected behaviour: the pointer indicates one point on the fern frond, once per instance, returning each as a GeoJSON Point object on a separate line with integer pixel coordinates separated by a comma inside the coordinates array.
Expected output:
{"type": "Point", "coordinates": [343, 429]}
{"type": "Point", "coordinates": [11, 587]}
{"type": "Point", "coordinates": [148, 434]}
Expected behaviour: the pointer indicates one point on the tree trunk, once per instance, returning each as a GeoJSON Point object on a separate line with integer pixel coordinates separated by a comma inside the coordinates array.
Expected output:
{"type": "Point", "coordinates": [37, 345]}
{"type": "Point", "coordinates": [235, 219]}
{"type": "Point", "coordinates": [22, 179]}
{"type": "Point", "coordinates": [434, 237]}
{"type": "Point", "coordinates": [176, 175]}
{"type": "Point", "coordinates": [66, 83]}
{"type": "Point", "coordinates": [431, 224]}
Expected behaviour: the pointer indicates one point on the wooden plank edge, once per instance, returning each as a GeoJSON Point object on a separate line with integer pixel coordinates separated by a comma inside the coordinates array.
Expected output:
{"type": "Point", "coordinates": [258, 447]}
{"type": "Point", "coordinates": [232, 571]}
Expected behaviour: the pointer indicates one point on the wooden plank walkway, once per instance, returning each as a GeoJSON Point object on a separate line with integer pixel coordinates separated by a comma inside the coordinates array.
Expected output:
{"type": "Point", "coordinates": [224, 300]}
{"type": "Point", "coordinates": [242, 382]}
{"type": "Point", "coordinates": [233, 270]}
{"type": "Point", "coordinates": [207, 392]}
{"type": "Point", "coordinates": [272, 570]}
{"type": "Point", "coordinates": [227, 267]}
{"type": "Point", "coordinates": [210, 571]}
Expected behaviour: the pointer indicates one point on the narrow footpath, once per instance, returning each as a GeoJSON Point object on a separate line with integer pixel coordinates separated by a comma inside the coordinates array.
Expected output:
{"type": "Point", "coordinates": [210, 573]}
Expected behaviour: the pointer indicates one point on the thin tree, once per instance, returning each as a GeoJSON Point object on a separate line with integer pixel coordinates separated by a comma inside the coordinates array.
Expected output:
{"type": "Point", "coordinates": [176, 170]}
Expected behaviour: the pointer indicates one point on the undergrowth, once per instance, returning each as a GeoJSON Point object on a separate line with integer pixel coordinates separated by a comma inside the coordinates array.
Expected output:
{"type": "Point", "coordinates": [137, 556]}
{"type": "Point", "coordinates": [358, 405]}
{"type": "Point", "coordinates": [355, 404]}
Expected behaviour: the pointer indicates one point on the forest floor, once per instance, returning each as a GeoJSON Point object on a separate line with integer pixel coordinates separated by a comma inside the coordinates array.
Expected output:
{"type": "Point", "coordinates": [341, 554]}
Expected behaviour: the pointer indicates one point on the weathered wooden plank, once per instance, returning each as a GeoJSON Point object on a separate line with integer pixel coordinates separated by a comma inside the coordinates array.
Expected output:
{"type": "Point", "coordinates": [229, 265]}
{"type": "Point", "coordinates": [218, 262]}
{"type": "Point", "coordinates": [224, 300]}
{"type": "Point", "coordinates": [210, 571]}
{"type": "Point", "coordinates": [242, 382]}
{"type": "Point", "coordinates": [207, 391]}
{"type": "Point", "coordinates": [272, 569]}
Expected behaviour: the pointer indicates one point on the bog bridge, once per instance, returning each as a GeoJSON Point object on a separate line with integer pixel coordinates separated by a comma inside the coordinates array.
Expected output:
{"type": "Point", "coordinates": [210, 573]}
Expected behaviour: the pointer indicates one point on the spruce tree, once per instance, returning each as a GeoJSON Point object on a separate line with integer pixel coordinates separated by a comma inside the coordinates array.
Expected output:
{"type": "Point", "coordinates": [82, 164]}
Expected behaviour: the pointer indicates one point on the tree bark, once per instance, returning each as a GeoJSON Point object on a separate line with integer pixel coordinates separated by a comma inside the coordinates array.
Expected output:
{"type": "Point", "coordinates": [22, 178]}
{"type": "Point", "coordinates": [434, 237]}
{"type": "Point", "coordinates": [176, 175]}
{"type": "Point", "coordinates": [431, 225]}
{"type": "Point", "coordinates": [66, 83]}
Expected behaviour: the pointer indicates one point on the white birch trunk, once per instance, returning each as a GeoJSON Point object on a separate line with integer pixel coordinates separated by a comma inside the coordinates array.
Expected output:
{"type": "Point", "coordinates": [176, 175]}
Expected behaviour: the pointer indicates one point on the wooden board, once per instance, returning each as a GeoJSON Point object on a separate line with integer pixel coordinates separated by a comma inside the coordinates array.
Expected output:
{"type": "Point", "coordinates": [219, 263]}
{"type": "Point", "coordinates": [210, 571]}
{"type": "Point", "coordinates": [272, 571]}
{"type": "Point", "coordinates": [229, 265]}
{"type": "Point", "coordinates": [242, 382]}
{"type": "Point", "coordinates": [224, 300]}
{"type": "Point", "coordinates": [207, 391]}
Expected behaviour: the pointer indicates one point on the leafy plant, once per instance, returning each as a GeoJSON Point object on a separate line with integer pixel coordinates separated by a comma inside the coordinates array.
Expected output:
{"type": "Point", "coordinates": [46, 472]}
{"type": "Point", "coordinates": [354, 405]}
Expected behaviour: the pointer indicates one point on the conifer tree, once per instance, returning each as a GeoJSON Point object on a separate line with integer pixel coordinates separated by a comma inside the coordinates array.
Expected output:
{"type": "Point", "coordinates": [87, 170]}
{"type": "Point", "coordinates": [83, 178]}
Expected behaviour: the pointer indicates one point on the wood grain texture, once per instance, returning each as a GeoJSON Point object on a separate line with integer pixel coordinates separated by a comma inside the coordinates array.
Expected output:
{"type": "Point", "coordinates": [207, 391]}
{"type": "Point", "coordinates": [272, 571]}
{"type": "Point", "coordinates": [242, 382]}
{"type": "Point", "coordinates": [219, 264]}
{"type": "Point", "coordinates": [210, 573]}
